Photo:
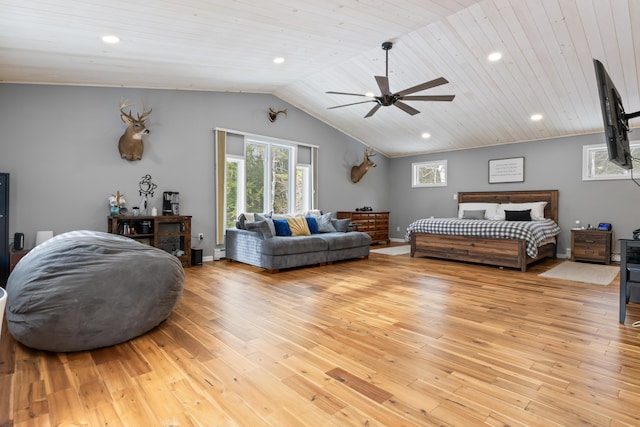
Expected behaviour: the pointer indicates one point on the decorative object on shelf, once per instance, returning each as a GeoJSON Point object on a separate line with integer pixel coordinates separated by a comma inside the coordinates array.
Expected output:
{"type": "Point", "coordinates": [130, 145]}
{"type": "Point", "coordinates": [364, 209]}
{"type": "Point", "coordinates": [273, 114]}
{"type": "Point", "coordinates": [506, 170]}
{"type": "Point", "coordinates": [146, 189]}
{"type": "Point", "coordinates": [116, 203]}
{"type": "Point", "coordinates": [357, 172]}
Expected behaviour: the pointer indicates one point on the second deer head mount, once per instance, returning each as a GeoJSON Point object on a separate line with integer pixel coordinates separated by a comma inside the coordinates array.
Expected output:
{"type": "Point", "coordinates": [130, 144]}
{"type": "Point", "coordinates": [357, 172]}
{"type": "Point", "coordinates": [273, 114]}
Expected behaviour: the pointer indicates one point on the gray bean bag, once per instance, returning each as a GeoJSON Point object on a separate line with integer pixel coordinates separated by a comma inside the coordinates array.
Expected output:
{"type": "Point", "coordinates": [86, 289]}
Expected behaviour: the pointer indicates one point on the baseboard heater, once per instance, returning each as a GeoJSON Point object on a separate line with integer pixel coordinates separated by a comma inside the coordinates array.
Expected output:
{"type": "Point", "coordinates": [219, 254]}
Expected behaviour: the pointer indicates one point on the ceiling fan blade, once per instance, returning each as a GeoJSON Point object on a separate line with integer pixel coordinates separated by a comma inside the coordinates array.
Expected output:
{"type": "Point", "coordinates": [426, 85]}
{"type": "Point", "coordinates": [406, 108]}
{"type": "Point", "coordinates": [373, 111]}
{"type": "Point", "coordinates": [428, 98]}
{"type": "Point", "coordinates": [383, 84]}
{"type": "Point", "coordinates": [347, 93]}
{"type": "Point", "coordinates": [353, 103]}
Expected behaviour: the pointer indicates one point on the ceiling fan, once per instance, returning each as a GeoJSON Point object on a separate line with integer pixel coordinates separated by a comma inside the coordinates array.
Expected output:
{"type": "Point", "coordinates": [387, 98]}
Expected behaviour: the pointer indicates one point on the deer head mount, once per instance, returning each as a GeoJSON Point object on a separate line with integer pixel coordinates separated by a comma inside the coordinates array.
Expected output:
{"type": "Point", "coordinates": [273, 114]}
{"type": "Point", "coordinates": [357, 172]}
{"type": "Point", "coordinates": [130, 144]}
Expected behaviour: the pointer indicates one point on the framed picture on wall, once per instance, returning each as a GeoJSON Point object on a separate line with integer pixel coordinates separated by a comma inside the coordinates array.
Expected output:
{"type": "Point", "coordinates": [506, 170]}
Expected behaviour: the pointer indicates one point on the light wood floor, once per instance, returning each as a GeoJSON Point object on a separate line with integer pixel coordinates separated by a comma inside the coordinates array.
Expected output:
{"type": "Point", "coordinates": [386, 341]}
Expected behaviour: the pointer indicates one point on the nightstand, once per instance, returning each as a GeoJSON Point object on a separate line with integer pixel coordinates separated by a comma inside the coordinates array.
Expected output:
{"type": "Point", "coordinates": [591, 245]}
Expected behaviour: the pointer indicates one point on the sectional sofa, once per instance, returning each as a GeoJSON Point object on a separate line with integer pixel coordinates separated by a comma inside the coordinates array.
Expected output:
{"type": "Point", "coordinates": [256, 243]}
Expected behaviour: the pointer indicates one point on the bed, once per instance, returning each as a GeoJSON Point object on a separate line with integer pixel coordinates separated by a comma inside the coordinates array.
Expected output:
{"type": "Point", "coordinates": [501, 251]}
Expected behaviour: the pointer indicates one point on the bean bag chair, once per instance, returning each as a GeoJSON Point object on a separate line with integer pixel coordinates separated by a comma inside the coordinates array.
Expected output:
{"type": "Point", "coordinates": [83, 290]}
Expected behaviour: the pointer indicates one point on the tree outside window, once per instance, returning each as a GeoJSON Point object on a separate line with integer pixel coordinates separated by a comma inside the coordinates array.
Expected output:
{"type": "Point", "coordinates": [429, 174]}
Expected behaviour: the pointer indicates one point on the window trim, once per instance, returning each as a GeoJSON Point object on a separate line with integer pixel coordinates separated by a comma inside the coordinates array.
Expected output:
{"type": "Point", "coordinates": [586, 149]}
{"type": "Point", "coordinates": [414, 176]}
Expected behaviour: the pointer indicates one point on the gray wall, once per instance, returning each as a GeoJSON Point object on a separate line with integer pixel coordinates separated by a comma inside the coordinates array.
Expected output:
{"type": "Point", "coordinates": [59, 144]}
{"type": "Point", "coordinates": [553, 164]}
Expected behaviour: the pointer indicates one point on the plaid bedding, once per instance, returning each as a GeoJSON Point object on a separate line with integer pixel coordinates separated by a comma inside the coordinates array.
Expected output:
{"type": "Point", "coordinates": [534, 232]}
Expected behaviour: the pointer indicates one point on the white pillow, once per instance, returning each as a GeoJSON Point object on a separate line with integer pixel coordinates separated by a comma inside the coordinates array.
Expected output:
{"type": "Point", "coordinates": [490, 209]}
{"type": "Point", "coordinates": [537, 209]}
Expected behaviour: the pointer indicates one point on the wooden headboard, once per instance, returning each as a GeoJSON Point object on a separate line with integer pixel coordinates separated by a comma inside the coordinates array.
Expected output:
{"type": "Point", "coordinates": [549, 196]}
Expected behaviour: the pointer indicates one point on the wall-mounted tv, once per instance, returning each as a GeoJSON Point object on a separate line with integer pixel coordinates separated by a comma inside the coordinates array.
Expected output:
{"type": "Point", "coordinates": [616, 121]}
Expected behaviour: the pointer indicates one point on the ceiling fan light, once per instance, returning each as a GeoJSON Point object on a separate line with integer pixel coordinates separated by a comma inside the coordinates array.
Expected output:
{"type": "Point", "coordinates": [370, 94]}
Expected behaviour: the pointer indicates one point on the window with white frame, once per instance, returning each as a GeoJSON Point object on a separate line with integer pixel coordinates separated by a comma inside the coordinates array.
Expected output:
{"type": "Point", "coordinates": [596, 164]}
{"type": "Point", "coordinates": [429, 174]}
{"type": "Point", "coordinates": [268, 176]}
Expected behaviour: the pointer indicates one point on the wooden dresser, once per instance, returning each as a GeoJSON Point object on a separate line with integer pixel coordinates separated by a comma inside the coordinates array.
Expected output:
{"type": "Point", "coordinates": [375, 224]}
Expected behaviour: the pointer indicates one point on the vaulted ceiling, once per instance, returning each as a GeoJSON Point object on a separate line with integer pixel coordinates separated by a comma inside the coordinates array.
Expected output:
{"type": "Point", "coordinates": [547, 49]}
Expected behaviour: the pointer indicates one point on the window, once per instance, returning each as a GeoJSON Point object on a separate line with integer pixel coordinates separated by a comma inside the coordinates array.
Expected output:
{"type": "Point", "coordinates": [429, 174]}
{"type": "Point", "coordinates": [596, 164]}
{"type": "Point", "coordinates": [235, 197]}
{"type": "Point", "coordinates": [266, 176]}
{"type": "Point", "coordinates": [303, 188]}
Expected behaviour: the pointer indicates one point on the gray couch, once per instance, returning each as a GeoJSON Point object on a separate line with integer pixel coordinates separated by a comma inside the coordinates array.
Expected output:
{"type": "Point", "coordinates": [277, 252]}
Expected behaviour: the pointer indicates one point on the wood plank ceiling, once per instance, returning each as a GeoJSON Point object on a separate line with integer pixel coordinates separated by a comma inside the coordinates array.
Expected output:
{"type": "Point", "coordinates": [547, 48]}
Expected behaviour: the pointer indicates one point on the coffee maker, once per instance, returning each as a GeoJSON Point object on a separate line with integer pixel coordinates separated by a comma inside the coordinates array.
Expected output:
{"type": "Point", "coordinates": [171, 203]}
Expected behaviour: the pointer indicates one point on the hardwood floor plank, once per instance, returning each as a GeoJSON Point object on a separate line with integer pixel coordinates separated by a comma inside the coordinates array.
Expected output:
{"type": "Point", "coordinates": [384, 341]}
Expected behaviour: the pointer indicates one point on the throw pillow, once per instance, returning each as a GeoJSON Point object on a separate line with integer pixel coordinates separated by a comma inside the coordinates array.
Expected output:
{"type": "Point", "coordinates": [261, 227]}
{"type": "Point", "coordinates": [477, 214]}
{"type": "Point", "coordinates": [312, 223]}
{"type": "Point", "coordinates": [282, 227]}
{"type": "Point", "coordinates": [518, 215]}
{"type": "Point", "coordinates": [298, 226]}
{"type": "Point", "coordinates": [324, 223]}
{"type": "Point", "coordinates": [341, 225]}
{"type": "Point", "coordinates": [267, 217]}
{"type": "Point", "coordinates": [242, 219]}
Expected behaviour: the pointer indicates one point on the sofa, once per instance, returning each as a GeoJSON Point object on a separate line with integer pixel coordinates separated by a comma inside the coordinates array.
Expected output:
{"type": "Point", "coordinates": [280, 243]}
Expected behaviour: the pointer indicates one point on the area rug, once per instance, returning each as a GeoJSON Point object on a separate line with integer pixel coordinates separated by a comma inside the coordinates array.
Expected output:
{"type": "Point", "coordinates": [393, 250]}
{"type": "Point", "coordinates": [583, 272]}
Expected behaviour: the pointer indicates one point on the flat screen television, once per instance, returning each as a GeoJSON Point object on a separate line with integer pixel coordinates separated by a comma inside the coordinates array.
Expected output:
{"type": "Point", "coordinates": [616, 121]}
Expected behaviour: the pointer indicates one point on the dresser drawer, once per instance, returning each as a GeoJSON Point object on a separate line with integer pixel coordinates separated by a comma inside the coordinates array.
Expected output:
{"type": "Point", "coordinates": [591, 238]}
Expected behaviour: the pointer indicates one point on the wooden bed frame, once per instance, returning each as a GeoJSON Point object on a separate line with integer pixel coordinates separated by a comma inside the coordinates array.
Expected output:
{"type": "Point", "coordinates": [500, 252]}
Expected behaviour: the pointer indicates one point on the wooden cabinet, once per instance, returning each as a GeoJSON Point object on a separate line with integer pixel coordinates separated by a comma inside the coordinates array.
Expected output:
{"type": "Point", "coordinates": [591, 245]}
{"type": "Point", "coordinates": [15, 257]}
{"type": "Point", "coordinates": [375, 224]}
{"type": "Point", "coordinates": [171, 233]}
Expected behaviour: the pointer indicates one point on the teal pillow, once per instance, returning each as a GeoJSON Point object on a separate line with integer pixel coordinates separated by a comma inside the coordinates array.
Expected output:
{"type": "Point", "coordinates": [313, 224]}
{"type": "Point", "coordinates": [282, 227]}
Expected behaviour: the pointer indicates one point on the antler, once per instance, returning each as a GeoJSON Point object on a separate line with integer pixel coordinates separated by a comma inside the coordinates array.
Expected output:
{"type": "Point", "coordinates": [145, 113]}
{"type": "Point", "coordinates": [123, 105]}
{"type": "Point", "coordinates": [369, 152]}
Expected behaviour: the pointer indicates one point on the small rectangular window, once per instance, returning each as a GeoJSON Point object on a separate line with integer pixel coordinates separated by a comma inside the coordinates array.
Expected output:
{"type": "Point", "coordinates": [429, 174]}
{"type": "Point", "coordinates": [596, 164]}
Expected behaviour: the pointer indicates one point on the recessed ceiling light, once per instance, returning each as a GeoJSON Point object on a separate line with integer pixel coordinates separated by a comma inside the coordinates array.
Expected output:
{"type": "Point", "coordinates": [278, 60]}
{"type": "Point", "coordinates": [495, 56]}
{"type": "Point", "coordinates": [536, 117]}
{"type": "Point", "coordinates": [111, 39]}
{"type": "Point", "coordinates": [426, 135]}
